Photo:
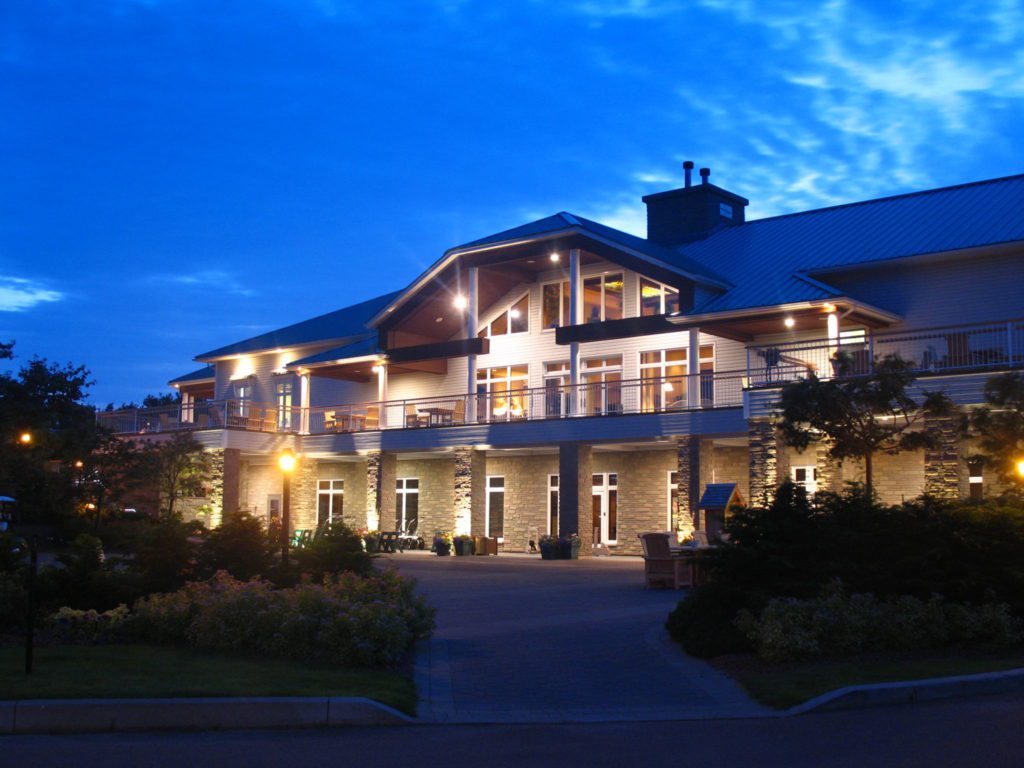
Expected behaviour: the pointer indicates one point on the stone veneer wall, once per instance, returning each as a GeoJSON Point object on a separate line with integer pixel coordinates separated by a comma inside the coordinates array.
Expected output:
{"type": "Point", "coordinates": [436, 502]}
{"type": "Point", "coordinates": [526, 496]}
{"type": "Point", "coordinates": [943, 467]}
{"type": "Point", "coordinates": [731, 464]}
{"type": "Point", "coordinates": [763, 461]}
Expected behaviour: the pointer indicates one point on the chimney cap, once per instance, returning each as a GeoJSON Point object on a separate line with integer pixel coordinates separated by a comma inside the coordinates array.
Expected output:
{"type": "Point", "coordinates": [688, 165]}
{"type": "Point", "coordinates": [704, 173]}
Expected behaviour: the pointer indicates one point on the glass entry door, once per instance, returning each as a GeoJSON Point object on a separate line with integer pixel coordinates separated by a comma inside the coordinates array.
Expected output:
{"type": "Point", "coordinates": [605, 504]}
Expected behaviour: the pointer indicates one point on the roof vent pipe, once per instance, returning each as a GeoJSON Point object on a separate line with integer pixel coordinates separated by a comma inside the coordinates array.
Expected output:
{"type": "Point", "coordinates": [704, 173]}
{"type": "Point", "coordinates": [688, 172]}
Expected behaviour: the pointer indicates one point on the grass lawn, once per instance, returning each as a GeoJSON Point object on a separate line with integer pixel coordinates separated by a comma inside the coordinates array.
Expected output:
{"type": "Point", "coordinates": [787, 684]}
{"type": "Point", "coordinates": [141, 671]}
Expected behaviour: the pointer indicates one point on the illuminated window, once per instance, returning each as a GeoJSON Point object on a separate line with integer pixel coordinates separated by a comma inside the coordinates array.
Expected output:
{"type": "Point", "coordinates": [407, 504]}
{"type": "Point", "coordinates": [330, 501]}
{"type": "Point", "coordinates": [495, 507]}
{"type": "Point", "coordinates": [602, 298]}
{"type": "Point", "coordinates": [553, 505]}
{"type": "Point", "coordinates": [601, 392]}
{"type": "Point", "coordinates": [657, 298]}
{"type": "Point", "coordinates": [284, 404]}
{"type": "Point", "coordinates": [513, 319]}
{"type": "Point", "coordinates": [501, 392]}
{"type": "Point", "coordinates": [555, 305]}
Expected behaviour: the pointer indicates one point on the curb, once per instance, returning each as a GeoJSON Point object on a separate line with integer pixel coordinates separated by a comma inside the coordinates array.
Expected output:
{"type": "Point", "coordinates": [931, 689]}
{"type": "Point", "coordinates": [105, 715]}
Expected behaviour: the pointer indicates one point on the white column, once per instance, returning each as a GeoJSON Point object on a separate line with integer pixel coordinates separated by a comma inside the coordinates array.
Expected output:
{"type": "Point", "coordinates": [304, 387]}
{"type": "Point", "coordinates": [693, 371]}
{"type": "Point", "coordinates": [575, 315]}
{"type": "Point", "coordinates": [382, 392]}
{"type": "Point", "coordinates": [472, 322]}
{"type": "Point", "coordinates": [833, 341]}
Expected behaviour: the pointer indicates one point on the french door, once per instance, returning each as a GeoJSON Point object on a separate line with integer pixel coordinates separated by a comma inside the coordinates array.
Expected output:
{"type": "Point", "coordinates": [605, 504]}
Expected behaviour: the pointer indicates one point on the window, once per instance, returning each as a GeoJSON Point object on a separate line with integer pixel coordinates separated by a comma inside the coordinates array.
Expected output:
{"type": "Point", "coordinates": [501, 392]}
{"type": "Point", "coordinates": [243, 394]}
{"type": "Point", "coordinates": [657, 298]}
{"type": "Point", "coordinates": [514, 319]}
{"type": "Point", "coordinates": [556, 392]}
{"type": "Point", "coordinates": [407, 504]}
{"type": "Point", "coordinates": [553, 505]}
{"type": "Point", "coordinates": [496, 507]}
{"type": "Point", "coordinates": [284, 404]}
{"type": "Point", "coordinates": [605, 502]}
{"type": "Point", "coordinates": [555, 305]}
{"type": "Point", "coordinates": [602, 390]}
{"type": "Point", "coordinates": [673, 498]}
{"type": "Point", "coordinates": [663, 380]}
{"type": "Point", "coordinates": [602, 298]}
{"type": "Point", "coordinates": [806, 477]}
{"type": "Point", "coordinates": [330, 501]}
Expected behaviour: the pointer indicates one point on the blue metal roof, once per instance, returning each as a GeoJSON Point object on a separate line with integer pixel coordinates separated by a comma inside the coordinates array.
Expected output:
{"type": "Point", "coordinates": [563, 221]}
{"type": "Point", "coordinates": [361, 348]}
{"type": "Point", "coordinates": [717, 495]}
{"type": "Point", "coordinates": [761, 258]}
{"type": "Point", "coordinates": [347, 323]}
{"type": "Point", "coordinates": [203, 374]}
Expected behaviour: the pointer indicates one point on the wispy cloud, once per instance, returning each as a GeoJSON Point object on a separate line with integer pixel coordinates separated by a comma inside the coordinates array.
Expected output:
{"type": "Point", "coordinates": [213, 279]}
{"type": "Point", "coordinates": [18, 294]}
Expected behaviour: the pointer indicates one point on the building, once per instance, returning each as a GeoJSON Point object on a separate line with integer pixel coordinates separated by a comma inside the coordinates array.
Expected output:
{"type": "Point", "coordinates": [566, 376]}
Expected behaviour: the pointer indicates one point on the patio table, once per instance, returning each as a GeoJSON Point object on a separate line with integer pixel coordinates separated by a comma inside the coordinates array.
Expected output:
{"type": "Point", "coordinates": [438, 415]}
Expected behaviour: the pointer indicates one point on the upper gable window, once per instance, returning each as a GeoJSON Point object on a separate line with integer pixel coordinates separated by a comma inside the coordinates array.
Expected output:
{"type": "Point", "coordinates": [657, 298]}
{"type": "Point", "coordinates": [555, 305]}
{"type": "Point", "coordinates": [603, 298]}
{"type": "Point", "coordinates": [514, 319]}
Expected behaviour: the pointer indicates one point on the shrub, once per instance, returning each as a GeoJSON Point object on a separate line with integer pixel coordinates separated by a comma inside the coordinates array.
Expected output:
{"type": "Point", "coordinates": [13, 600]}
{"type": "Point", "coordinates": [239, 546]}
{"type": "Point", "coordinates": [349, 619]}
{"type": "Point", "coordinates": [76, 626]}
{"type": "Point", "coordinates": [164, 556]}
{"type": "Point", "coordinates": [704, 622]}
{"type": "Point", "coordinates": [337, 548]}
{"type": "Point", "coordinates": [12, 552]}
{"type": "Point", "coordinates": [838, 623]}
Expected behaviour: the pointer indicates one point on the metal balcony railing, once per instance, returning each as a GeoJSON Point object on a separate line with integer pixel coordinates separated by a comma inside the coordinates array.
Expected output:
{"type": "Point", "coordinates": [554, 401]}
{"type": "Point", "coordinates": [947, 349]}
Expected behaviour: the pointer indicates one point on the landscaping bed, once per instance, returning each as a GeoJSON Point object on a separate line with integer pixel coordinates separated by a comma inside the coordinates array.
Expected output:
{"type": "Point", "coordinates": [785, 684]}
{"type": "Point", "coordinates": [152, 671]}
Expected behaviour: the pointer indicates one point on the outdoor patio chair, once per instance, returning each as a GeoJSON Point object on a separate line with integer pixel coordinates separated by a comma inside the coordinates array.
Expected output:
{"type": "Point", "coordinates": [413, 418]}
{"type": "Point", "coordinates": [661, 567]}
{"type": "Point", "coordinates": [458, 414]}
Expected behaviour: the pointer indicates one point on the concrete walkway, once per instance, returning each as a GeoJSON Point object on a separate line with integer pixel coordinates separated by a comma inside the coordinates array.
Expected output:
{"type": "Point", "coordinates": [520, 640]}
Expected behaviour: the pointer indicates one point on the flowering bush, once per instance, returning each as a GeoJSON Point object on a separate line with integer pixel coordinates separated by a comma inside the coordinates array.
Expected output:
{"type": "Point", "coordinates": [349, 619]}
{"type": "Point", "coordinates": [75, 626]}
{"type": "Point", "coordinates": [838, 623]}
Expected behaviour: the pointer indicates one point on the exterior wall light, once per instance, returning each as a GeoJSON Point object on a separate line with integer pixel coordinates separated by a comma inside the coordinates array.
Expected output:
{"type": "Point", "coordinates": [555, 257]}
{"type": "Point", "coordinates": [460, 302]}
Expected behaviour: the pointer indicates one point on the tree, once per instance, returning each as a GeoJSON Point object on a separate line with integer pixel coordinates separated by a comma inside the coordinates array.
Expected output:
{"type": "Point", "coordinates": [860, 416]}
{"type": "Point", "coordinates": [1000, 425]}
{"type": "Point", "coordinates": [183, 467]}
{"type": "Point", "coordinates": [115, 471]}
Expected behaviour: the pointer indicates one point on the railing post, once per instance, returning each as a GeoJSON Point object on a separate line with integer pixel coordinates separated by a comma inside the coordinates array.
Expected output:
{"type": "Point", "coordinates": [1009, 342]}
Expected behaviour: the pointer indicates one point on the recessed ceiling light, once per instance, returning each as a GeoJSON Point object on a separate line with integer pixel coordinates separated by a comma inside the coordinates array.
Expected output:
{"type": "Point", "coordinates": [789, 322]}
{"type": "Point", "coordinates": [438, 319]}
{"type": "Point", "coordinates": [460, 302]}
{"type": "Point", "coordinates": [555, 257]}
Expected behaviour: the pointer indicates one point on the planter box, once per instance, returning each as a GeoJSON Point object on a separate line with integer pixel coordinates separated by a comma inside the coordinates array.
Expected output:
{"type": "Point", "coordinates": [548, 551]}
{"type": "Point", "coordinates": [442, 549]}
{"type": "Point", "coordinates": [569, 550]}
{"type": "Point", "coordinates": [372, 543]}
{"type": "Point", "coordinates": [463, 547]}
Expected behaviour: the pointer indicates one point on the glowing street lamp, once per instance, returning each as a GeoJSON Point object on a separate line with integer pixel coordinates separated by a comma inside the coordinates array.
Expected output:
{"type": "Point", "coordinates": [25, 438]}
{"type": "Point", "coordinates": [1020, 467]}
{"type": "Point", "coordinates": [286, 461]}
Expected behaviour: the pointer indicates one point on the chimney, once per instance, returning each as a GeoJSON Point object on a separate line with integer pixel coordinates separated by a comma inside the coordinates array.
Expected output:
{"type": "Point", "coordinates": [692, 212]}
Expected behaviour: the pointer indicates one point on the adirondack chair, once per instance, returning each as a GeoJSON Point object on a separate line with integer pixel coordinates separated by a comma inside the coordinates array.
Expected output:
{"type": "Point", "coordinates": [661, 567]}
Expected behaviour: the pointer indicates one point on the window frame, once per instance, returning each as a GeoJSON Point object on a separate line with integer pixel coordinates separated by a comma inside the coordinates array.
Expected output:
{"type": "Point", "coordinates": [330, 492]}
{"type": "Point", "coordinates": [662, 288]}
{"type": "Point", "coordinates": [564, 304]}
{"type": "Point", "coordinates": [487, 505]}
{"type": "Point", "coordinates": [402, 490]}
{"type": "Point", "coordinates": [484, 332]}
{"type": "Point", "coordinates": [604, 278]}
{"type": "Point", "coordinates": [554, 487]}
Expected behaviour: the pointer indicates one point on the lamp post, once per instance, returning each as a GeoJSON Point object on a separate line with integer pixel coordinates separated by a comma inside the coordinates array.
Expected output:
{"type": "Point", "coordinates": [286, 461]}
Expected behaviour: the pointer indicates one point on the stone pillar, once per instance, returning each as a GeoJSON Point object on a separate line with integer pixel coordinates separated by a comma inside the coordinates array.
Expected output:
{"type": "Point", "coordinates": [381, 473]}
{"type": "Point", "coordinates": [942, 468]}
{"type": "Point", "coordinates": [829, 470]}
{"type": "Point", "coordinates": [232, 481]}
{"type": "Point", "coordinates": [764, 461]}
{"type": "Point", "coordinates": [303, 495]}
{"type": "Point", "coordinates": [575, 494]}
{"type": "Point", "coordinates": [688, 487]}
{"type": "Point", "coordinates": [470, 491]}
{"type": "Point", "coordinates": [213, 515]}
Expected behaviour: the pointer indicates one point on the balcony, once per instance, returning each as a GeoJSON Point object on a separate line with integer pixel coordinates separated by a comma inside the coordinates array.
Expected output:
{"type": "Point", "coordinates": [948, 350]}
{"type": "Point", "coordinates": [556, 401]}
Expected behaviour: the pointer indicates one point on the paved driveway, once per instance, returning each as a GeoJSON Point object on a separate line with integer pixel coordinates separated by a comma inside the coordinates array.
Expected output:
{"type": "Point", "coordinates": [524, 640]}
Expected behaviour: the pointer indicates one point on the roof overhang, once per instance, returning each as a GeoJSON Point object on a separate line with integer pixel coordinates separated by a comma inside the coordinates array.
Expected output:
{"type": "Point", "coordinates": [452, 255]}
{"type": "Point", "coordinates": [740, 324]}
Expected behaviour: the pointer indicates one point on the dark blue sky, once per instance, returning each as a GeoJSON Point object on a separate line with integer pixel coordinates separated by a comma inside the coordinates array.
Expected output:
{"type": "Point", "coordinates": [177, 175]}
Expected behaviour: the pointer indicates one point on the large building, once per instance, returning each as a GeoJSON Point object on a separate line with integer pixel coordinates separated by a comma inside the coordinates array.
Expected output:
{"type": "Point", "coordinates": [564, 376]}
